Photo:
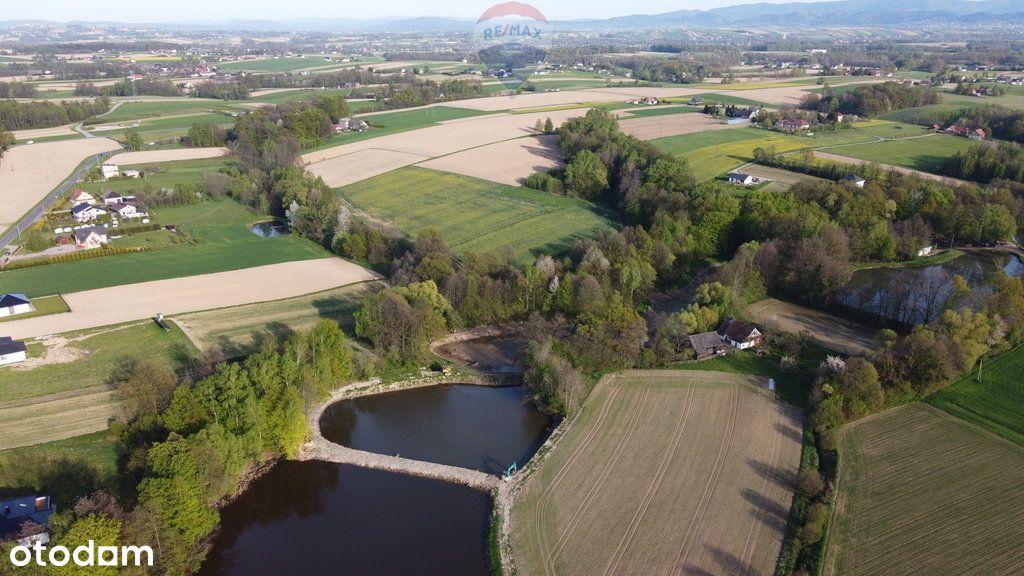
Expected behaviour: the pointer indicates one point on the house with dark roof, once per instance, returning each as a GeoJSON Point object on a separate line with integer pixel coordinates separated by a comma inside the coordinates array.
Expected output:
{"type": "Point", "coordinates": [740, 179]}
{"type": "Point", "coordinates": [86, 212]}
{"type": "Point", "coordinates": [740, 335]}
{"type": "Point", "coordinates": [11, 304]}
{"type": "Point", "coordinates": [855, 180]}
{"type": "Point", "coordinates": [127, 210]}
{"type": "Point", "coordinates": [91, 237]}
{"type": "Point", "coordinates": [696, 101]}
{"type": "Point", "coordinates": [12, 351]}
{"type": "Point", "coordinates": [111, 197]}
{"type": "Point", "coordinates": [707, 344]}
{"type": "Point", "coordinates": [25, 519]}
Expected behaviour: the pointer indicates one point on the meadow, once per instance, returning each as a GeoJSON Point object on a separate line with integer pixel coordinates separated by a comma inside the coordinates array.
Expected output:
{"type": "Point", "coordinates": [923, 493]}
{"type": "Point", "coordinates": [662, 472]}
{"type": "Point", "coordinates": [710, 162]}
{"type": "Point", "coordinates": [218, 240]}
{"type": "Point", "coordinates": [297, 95]}
{"type": "Point", "coordinates": [159, 108]}
{"type": "Point", "coordinates": [277, 64]}
{"type": "Point", "coordinates": [996, 403]}
{"type": "Point", "coordinates": [478, 215]}
{"type": "Point", "coordinates": [925, 154]}
{"type": "Point", "coordinates": [384, 123]}
{"type": "Point", "coordinates": [159, 175]}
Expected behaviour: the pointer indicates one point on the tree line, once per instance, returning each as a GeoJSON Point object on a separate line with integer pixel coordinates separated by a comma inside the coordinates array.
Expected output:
{"type": "Point", "coordinates": [27, 115]}
{"type": "Point", "coordinates": [871, 100]}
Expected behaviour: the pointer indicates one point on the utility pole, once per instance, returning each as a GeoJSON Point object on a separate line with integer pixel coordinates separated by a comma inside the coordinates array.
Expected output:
{"type": "Point", "coordinates": [980, 368]}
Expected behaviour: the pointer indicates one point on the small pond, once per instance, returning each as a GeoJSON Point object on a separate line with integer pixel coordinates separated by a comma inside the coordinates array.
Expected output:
{"type": "Point", "coordinates": [321, 519]}
{"type": "Point", "coordinates": [917, 294]}
{"type": "Point", "coordinates": [270, 229]}
{"type": "Point", "coordinates": [478, 427]}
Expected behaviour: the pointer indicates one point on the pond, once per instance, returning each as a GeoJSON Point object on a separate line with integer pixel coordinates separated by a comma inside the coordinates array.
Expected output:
{"type": "Point", "coordinates": [322, 519]}
{"type": "Point", "coordinates": [478, 427]}
{"type": "Point", "coordinates": [270, 229]}
{"type": "Point", "coordinates": [917, 294]}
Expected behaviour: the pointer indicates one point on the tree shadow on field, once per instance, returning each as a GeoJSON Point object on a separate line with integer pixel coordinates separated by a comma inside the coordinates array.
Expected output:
{"type": "Point", "coordinates": [790, 432]}
{"type": "Point", "coordinates": [777, 476]}
{"type": "Point", "coordinates": [731, 564]}
{"type": "Point", "coordinates": [766, 511]}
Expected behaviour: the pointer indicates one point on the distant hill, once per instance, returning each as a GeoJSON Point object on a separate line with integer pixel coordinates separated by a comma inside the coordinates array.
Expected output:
{"type": "Point", "coordinates": [875, 13]}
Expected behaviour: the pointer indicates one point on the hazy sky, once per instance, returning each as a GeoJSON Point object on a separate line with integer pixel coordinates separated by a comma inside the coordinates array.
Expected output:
{"type": "Point", "coordinates": [184, 10]}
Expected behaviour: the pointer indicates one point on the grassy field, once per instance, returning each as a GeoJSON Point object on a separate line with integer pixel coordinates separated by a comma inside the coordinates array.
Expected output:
{"type": "Point", "coordinates": [712, 161]}
{"type": "Point", "coordinates": [294, 95]}
{"type": "Point", "coordinates": [385, 123]}
{"type": "Point", "coordinates": [892, 130]}
{"type": "Point", "coordinates": [276, 64]}
{"type": "Point", "coordinates": [663, 472]}
{"type": "Point", "coordinates": [171, 128]}
{"type": "Point", "coordinates": [477, 215]}
{"type": "Point", "coordinates": [689, 142]}
{"type": "Point", "coordinates": [218, 237]}
{"type": "Point", "coordinates": [925, 154]}
{"type": "Point", "coordinates": [158, 108]}
{"type": "Point", "coordinates": [996, 403]}
{"type": "Point", "coordinates": [922, 493]}
{"type": "Point", "coordinates": [158, 175]}
{"type": "Point", "coordinates": [43, 307]}
{"type": "Point", "coordinates": [830, 331]}
{"type": "Point", "coordinates": [98, 449]}
{"type": "Point", "coordinates": [238, 331]}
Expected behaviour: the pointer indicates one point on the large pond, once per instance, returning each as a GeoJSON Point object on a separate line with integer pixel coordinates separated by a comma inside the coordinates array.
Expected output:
{"type": "Point", "coordinates": [477, 427]}
{"type": "Point", "coordinates": [320, 519]}
{"type": "Point", "coordinates": [914, 295]}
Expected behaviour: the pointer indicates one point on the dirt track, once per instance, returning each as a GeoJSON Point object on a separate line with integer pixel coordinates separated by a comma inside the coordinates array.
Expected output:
{"type": "Point", "coordinates": [29, 172]}
{"type": "Point", "coordinates": [147, 156]}
{"type": "Point", "coordinates": [107, 306]}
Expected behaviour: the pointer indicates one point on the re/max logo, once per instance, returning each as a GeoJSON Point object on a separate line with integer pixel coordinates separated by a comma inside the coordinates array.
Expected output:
{"type": "Point", "coordinates": [516, 30]}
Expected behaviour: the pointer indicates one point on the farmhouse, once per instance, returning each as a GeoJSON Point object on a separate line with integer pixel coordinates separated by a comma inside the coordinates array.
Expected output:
{"type": "Point", "coordinates": [86, 212]}
{"type": "Point", "coordinates": [792, 125]}
{"type": "Point", "coordinates": [25, 518]}
{"type": "Point", "coordinates": [977, 134]}
{"type": "Point", "coordinates": [126, 210]}
{"type": "Point", "coordinates": [109, 171]}
{"type": "Point", "coordinates": [80, 196]}
{"type": "Point", "coordinates": [11, 352]}
{"type": "Point", "coordinates": [112, 197]}
{"type": "Point", "coordinates": [740, 335]}
{"type": "Point", "coordinates": [740, 179]}
{"type": "Point", "coordinates": [91, 237]}
{"type": "Point", "coordinates": [696, 101]}
{"type": "Point", "coordinates": [707, 344]}
{"type": "Point", "coordinates": [11, 304]}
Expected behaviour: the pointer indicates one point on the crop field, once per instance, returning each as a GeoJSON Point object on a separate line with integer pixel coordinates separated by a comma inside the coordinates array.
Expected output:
{"type": "Point", "coordinates": [385, 123]}
{"type": "Point", "coordinates": [712, 161]}
{"type": "Point", "coordinates": [218, 240]}
{"type": "Point", "coordinates": [663, 472]}
{"type": "Point", "coordinates": [829, 331]}
{"type": "Point", "coordinates": [923, 493]}
{"type": "Point", "coordinates": [996, 403]}
{"type": "Point", "coordinates": [477, 215]}
{"type": "Point", "coordinates": [240, 330]}
{"type": "Point", "coordinates": [158, 108]}
{"type": "Point", "coordinates": [924, 154]}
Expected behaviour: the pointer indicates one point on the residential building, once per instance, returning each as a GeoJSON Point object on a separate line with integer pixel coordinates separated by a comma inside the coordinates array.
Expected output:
{"type": "Point", "coordinates": [80, 196]}
{"type": "Point", "coordinates": [11, 352]}
{"type": "Point", "coordinates": [126, 210]}
{"type": "Point", "coordinates": [740, 335]}
{"type": "Point", "coordinates": [792, 125]}
{"type": "Point", "coordinates": [12, 304]}
{"type": "Point", "coordinates": [91, 237]}
{"type": "Point", "coordinates": [740, 179]}
{"type": "Point", "coordinates": [86, 212]}
{"type": "Point", "coordinates": [111, 197]}
{"type": "Point", "coordinates": [131, 174]}
{"type": "Point", "coordinates": [109, 171]}
{"type": "Point", "coordinates": [25, 518]}
{"type": "Point", "coordinates": [696, 101]}
{"type": "Point", "coordinates": [977, 134]}
{"type": "Point", "coordinates": [855, 180]}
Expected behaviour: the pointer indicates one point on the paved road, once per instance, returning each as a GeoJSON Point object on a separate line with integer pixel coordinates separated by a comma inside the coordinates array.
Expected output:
{"type": "Point", "coordinates": [12, 233]}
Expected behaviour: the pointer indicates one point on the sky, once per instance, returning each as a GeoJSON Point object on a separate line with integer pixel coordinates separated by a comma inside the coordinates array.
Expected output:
{"type": "Point", "coordinates": [193, 10]}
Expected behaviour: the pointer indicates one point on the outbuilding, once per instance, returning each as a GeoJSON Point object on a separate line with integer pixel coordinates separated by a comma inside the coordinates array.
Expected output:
{"type": "Point", "coordinates": [12, 351]}
{"type": "Point", "coordinates": [12, 304]}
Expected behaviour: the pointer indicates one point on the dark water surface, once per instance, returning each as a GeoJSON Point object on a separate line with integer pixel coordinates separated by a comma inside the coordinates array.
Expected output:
{"type": "Point", "coordinates": [916, 294]}
{"type": "Point", "coordinates": [271, 229]}
{"type": "Point", "coordinates": [477, 427]}
{"type": "Point", "coordinates": [321, 519]}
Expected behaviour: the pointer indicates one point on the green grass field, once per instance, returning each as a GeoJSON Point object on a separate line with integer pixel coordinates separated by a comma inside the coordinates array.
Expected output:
{"type": "Point", "coordinates": [712, 161]}
{"type": "Point", "coordinates": [478, 215]}
{"type": "Point", "coordinates": [158, 108]}
{"type": "Point", "coordinates": [922, 493]}
{"type": "Point", "coordinates": [277, 64]}
{"type": "Point", "coordinates": [996, 403]}
{"type": "Point", "coordinates": [690, 142]}
{"type": "Point", "coordinates": [295, 95]}
{"type": "Point", "coordinates": [925, 154]}
{"type": "Point", "coordinates": [385, 123]}
{"type": "Point", "coordinates": [158, 175]}
{"type": "Point", "coordinates": [220, 241]}
{"type": "Point", "coordinates": [892, 130]}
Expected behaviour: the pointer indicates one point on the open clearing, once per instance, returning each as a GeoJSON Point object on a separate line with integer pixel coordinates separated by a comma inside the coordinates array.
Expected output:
{"type": "Point", "coordinates": [508, 162]}
{"type": "Point", "coordinates": [477, 215]}
{"type": "Point", "coordinates": [996, 403]}
{"type": "Point", "coordinates": [129, 158]}
{"type": "Point", "coordinates": [923, 493]}
{"type": "Point", "coordinates": [651, 127]}
{"type": "Point", "coordinates": [839, 157]}
{"type": "Point", "coordinates": [925, 153]}
{"type": "Point", "coordinates": [55, 420]}
{"type": "Point", "coordinates": [29, 172]}
{"type": "Point", "coordinates": [192, 293]}
{"type": "Point", "coordinates": [663, 472]}
{"type": "Point", "coordinates": [830, 331]}
{"type": "Point", "coordinates": [240, 330]}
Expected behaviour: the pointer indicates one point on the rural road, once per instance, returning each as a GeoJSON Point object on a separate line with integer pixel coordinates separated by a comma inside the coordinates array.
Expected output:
{"type": "Point", "coordinates": [119, 304]}
{"type": "Point", "coordinates": [14, 231]}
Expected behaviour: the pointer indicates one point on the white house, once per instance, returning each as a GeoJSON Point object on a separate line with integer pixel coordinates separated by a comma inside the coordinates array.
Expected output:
{"type": "Point", "coordinates": [126, 210]}
{"type": "Point", "coordinates": [855, 180]}
{"type": "Point", "coordinates": [740, 335]}
{"type": "Point", "coordinates": [109, 171]}
{"type": "Point", "coordinates": [11, 304]}
{"type": "Point", "coordinates": [81, 196]}
{"type": "Point", "coordinates": [11, 351]}
{"type": "Point", "coordinates": [740, 179]}
{"type": "Point", "coordinates": [91, 237]}
{"type": "Point", "coordinates": [86, 212]}
{"type": "Point", "coordinates": [111, 197]}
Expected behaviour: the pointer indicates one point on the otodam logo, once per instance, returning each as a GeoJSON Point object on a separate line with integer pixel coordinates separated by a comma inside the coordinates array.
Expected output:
{"type": "Point", "coordinates": [510, 40]}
